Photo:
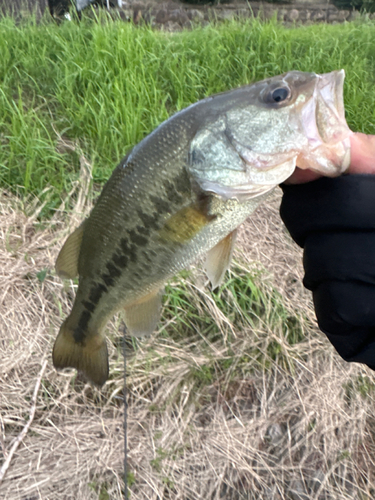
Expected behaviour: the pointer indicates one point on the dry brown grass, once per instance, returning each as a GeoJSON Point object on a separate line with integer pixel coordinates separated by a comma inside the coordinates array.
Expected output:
{"type": "Point", "coordinates": [240, 415]}
{"type": "Point", "coordinates": [76, 438]}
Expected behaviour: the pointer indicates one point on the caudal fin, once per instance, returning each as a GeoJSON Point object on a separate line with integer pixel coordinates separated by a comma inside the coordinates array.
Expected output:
{"type": "Point", "coordinates": [89, 356]}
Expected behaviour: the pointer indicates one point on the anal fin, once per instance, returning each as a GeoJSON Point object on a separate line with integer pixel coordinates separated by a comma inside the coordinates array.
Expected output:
{"type": "Point", "coordinates": [219, 257]}
{"type": "Point", "coordinates": [67, 261]}
{"type": "Point", "coordinates": [142, 317]}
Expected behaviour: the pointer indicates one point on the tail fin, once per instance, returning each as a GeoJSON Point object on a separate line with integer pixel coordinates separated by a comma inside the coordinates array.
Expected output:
{"type": "Point", "coordinates": [90, 356]}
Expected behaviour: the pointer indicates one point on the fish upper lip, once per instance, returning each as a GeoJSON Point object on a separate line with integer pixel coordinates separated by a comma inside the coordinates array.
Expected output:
{"type": "Point", "coordinates": [330, 119]}
{"type": "Point", "coordinates": [331, 85]}
{"type": "Point", "coordinates": [324, 124]}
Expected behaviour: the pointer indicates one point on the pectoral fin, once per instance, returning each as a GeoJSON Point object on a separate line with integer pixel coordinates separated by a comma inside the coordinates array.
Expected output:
{"type": "Point", "coordinates": [141, 317]}
{"type": "Point", "coordinates": [187, 222]}
{"type": "Point", "coordinates": [67, 261]}
{"type": "Point", "coordinates": [219, 257]}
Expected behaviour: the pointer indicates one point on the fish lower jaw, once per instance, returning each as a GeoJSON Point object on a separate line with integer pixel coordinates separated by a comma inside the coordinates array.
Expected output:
{"type": "Point", "coordinates": [329, 160]}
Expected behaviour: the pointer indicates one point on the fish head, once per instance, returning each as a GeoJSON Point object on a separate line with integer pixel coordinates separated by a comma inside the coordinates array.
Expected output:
{"type": "Point", "coordinates": [252, 138]}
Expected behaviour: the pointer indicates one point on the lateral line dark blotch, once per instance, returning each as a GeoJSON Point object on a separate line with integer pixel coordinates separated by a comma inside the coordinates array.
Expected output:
{"type": "Point", "coordinates": [88, 305]}
{"type": "Point", "coordinates": [129, 249]}
{"type": "Point", "coordinates": [161, 205]}
{"type": "Point", "coordinates": [79, 334]}
{"type": "Point", "coordinates": [113, 271]}
{"type": "Point", "coordinates": [150, 221]}
{"type": "Point", "coordinates": [108, 280]}
{"type": "Point", "coordinates": [172, 193]}
{"type": "Point", "coordinates": [120, 260]}
{"type": "Point", "coordinates": [97, 292]}
{"type": "Point", "coordinates": [137, 238]}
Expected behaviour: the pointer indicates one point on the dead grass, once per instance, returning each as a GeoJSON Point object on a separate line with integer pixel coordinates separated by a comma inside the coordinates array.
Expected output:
{"type": "Point", "coordinates": [237, 413]}
{"type": "Point", "coordinates": [75, 442]}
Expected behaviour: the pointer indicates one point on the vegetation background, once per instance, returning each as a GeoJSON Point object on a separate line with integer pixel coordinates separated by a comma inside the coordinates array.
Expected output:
{"type": "Point", "coordinates": [237, 395]}
{"type": "Point", "coordinates": [362, 5]}
{"type": "Point", "coordinates": [367, 5]}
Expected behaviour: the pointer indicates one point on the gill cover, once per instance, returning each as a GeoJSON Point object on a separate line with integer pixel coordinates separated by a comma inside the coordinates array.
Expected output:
{"type": "Point", "coordinates": [262, 132]}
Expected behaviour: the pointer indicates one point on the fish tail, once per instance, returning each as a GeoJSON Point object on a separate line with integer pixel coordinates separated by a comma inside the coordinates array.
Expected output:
{"type": "Point", "coordinates": [89, 355]}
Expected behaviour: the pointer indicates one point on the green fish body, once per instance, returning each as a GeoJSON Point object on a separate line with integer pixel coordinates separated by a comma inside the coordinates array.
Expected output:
{"type": "Point", "coordinates": [181, 193]}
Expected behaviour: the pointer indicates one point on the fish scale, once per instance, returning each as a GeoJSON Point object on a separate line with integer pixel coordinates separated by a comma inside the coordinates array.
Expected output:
{"type": "Point", "coordinates": [127, 242]}
{"type": "Point", "coordinates": [181, 193]}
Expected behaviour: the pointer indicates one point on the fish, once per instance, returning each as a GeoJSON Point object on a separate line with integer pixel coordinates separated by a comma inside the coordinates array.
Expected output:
{"type": "Point", "coordinates": [182, 192]}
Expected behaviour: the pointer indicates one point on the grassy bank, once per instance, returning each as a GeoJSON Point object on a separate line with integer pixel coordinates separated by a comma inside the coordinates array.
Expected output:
{"type": "Point", "coordinates": [99, 88]}
{"type": "Point", "coordinates": [237, 395]}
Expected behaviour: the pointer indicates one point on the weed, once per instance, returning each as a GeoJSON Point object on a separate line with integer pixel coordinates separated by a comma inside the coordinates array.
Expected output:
{"type": "Point", "coordinates": [104, 86]}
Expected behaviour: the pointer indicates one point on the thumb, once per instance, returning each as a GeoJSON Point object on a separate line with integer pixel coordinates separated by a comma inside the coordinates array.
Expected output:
{"type": "Point", "coordinates": [362, 160]}
{"type": "Point", "coordinates": [362, 154]}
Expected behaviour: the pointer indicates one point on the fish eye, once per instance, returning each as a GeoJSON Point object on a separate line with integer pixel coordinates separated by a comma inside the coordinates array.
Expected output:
{"type": "Point", "coordinates": [280, 94]}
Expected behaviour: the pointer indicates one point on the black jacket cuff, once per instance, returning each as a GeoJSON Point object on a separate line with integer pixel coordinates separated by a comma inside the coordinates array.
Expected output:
{"type": "Point", "coordinates": [345, 203]}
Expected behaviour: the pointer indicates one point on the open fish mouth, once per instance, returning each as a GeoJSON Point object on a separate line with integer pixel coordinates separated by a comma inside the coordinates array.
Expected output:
{"type": "Point", "coordinates": [330, 112]}
{"type": "Point", "coordinates": [325, 126]}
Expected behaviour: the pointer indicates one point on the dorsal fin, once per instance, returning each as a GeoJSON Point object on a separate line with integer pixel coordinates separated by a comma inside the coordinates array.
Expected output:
{"type": "Point", "coordinates": [67, 261]}
{"type": "Point", "coordinates": [219, 257]}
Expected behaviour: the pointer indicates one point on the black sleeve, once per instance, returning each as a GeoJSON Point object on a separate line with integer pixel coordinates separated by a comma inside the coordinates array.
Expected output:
{"type": "Point", "coordinates": [334, 221]}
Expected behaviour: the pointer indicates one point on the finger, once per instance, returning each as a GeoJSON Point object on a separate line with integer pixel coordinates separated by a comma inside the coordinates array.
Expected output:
{"type": "Point", "coordinates": [362, 154]}
{"type": "Point", "coordinates": [362, 160]}
{"type": "Point", "coordinates": [300, 176]}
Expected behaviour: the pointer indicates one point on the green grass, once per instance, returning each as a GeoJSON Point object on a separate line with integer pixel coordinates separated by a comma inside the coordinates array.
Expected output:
{"type": "Point", "coordinates": [106, 85]}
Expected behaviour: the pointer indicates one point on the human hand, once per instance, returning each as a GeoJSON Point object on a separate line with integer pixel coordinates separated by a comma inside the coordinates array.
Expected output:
{"type": "Point", "coordinates": [333, 219]}
{"type": "Point", "coordinates": [362, 160]}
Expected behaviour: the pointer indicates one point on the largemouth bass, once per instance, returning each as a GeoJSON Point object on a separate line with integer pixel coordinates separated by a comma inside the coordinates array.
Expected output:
{"type": "Point", "coordinates": [182, 192]}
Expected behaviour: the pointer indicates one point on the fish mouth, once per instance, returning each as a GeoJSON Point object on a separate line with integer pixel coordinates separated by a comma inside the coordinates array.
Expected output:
{"type": "Point", "coordinates": [330, 112]}
{"type": "Point", "coordinates": [325, 126]}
